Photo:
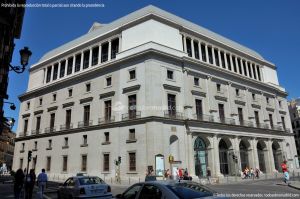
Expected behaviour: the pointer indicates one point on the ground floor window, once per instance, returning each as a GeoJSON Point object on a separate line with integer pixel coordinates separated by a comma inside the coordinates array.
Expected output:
{"type": "Point", "coordinates": [200, 157]}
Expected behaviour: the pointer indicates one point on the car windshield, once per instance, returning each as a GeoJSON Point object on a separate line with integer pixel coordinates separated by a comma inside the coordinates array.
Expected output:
{"type": "Point", "coordinates": [190, 190]}
{"type": "Point", "coordinates": [90, 180]}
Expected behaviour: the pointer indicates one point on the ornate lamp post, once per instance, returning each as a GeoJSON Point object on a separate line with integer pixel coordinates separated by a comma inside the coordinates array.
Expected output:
{"type": "Point", "coordinates": [25, 54]}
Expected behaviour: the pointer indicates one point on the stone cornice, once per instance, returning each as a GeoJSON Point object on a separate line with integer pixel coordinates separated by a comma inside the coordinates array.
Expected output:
{"type": "Point", "coordinates": [85, 100]}
{"type": "Point", "coordinates": [68, 104]}
{"type": "Point", "coordinates": [108, 94]}
{"type": "Point", "coordinates": [131, 88]}
{"type": "Point", "coordinates": [172, 88]}
{"type": "Point", "coordinates": [38, 112]}
{"type": "Point", "coordinates": [198, 93]}
{"type": "Point", "coordinates": [53, 108]}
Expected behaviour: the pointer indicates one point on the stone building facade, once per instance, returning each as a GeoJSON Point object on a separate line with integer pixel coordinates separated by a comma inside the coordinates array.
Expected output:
{"type": "Point", "coordinates": [294, 109]}
{"type": "Point", "coordinates": [148, 86]}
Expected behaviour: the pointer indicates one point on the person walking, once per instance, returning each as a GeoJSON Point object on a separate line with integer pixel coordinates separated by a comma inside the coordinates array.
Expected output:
{"type": "Point", "coordinates": [29, 184]}
{"type": "Point", "coordinates": [42, 183]}
{"type": "Point", "coordinates": [18, 183]}
{"type": "Point", "coordinates": [285, 172]}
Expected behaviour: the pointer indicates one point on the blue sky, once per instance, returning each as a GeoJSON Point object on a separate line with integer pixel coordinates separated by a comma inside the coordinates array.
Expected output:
{"type": "Point", "coordinates": [271, 27]}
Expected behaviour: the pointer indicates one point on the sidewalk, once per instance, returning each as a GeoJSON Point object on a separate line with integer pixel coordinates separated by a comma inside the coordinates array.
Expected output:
{"type": "Point", "coordinates": [295, 184]}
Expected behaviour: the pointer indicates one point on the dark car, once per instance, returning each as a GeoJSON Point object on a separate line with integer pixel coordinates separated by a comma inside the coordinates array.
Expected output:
{"type": "Point", "coordinates": [168, 190]}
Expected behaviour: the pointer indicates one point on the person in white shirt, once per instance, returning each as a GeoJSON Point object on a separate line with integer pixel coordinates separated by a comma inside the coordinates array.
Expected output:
{"type": "Point", "coordinates": [42, 183]}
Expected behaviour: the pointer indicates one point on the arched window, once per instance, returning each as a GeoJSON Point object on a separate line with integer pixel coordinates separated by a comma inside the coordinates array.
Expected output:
{"type": "Point", "coordinates": [200, 157]}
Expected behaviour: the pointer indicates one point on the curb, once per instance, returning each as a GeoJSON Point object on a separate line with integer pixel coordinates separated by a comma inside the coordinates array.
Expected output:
{"type": "Point", "coordinates": [295, 187]}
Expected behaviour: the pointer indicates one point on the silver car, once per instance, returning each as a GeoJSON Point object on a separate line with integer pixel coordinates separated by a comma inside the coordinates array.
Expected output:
{"type": "Point", "coordinates": [168, 190]}
{"type": "Point", "coordinates": [84, 187]}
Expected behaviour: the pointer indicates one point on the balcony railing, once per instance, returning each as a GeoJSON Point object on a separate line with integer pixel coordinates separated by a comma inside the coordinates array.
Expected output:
{"type": "Point", "coordinates": [202, 117]}
{"type": "Point", "coordinates": [262, 125]}
{"type": "Point", "coordinates": [36, 132]}
{"type": "Point", "coordinates": [50, 129]}
{"type": "Point", "coordinates": [131, 115]}
{"type": "Point", "coordinates": [246, 123]}
{"type": "Point", "coordinates": [66, 126]}
{"type": "Point", "coordinates": [287, 130]}
{"type": "Point", "coordinates": [173, 115]}
{"type": "Point", "coordinates": [85, 123]}
{"type": "Point", "coordinates": [105, 120]}
{"type": "Point", "coordinates": [277, 128]}
{"type": "Point", "coordinates": [225, 120]}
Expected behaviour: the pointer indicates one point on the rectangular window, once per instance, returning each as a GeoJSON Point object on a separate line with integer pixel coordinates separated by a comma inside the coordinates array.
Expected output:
{"type": "Point", "coordinates": [189, 47]}
{"type": "Point", "coordinates": [86, 115]}
{"type": "Point", "coordinates": [271, 121]}
{"type": "Point", "coordinates": [203, 51]}
{"type": "Point", "coordinates": [223, 59]}
{"type": "Point", "coordinates": [217, 57]}
{"type": "Point", "coordinates": [66, 143]}
{"type": "Point", "coordinates": [52, 121]}
{"type": "Point", "coordinates": [54, 97]}
{"type": "Point", "coordinates": [107, 108]}
{"type": "Point", "coordinates": [258, 73]}
{"type": "Point", "coordinates": [249, 69]}
{"type": "Point", "coordinates": [48, 78]}
{"type": "Point", "coordinates": [132, 161]}
{"type": "Point", "coordinates": [241, 117]}
{"type": "Point", "coordinates": [65, 163]}
{"type": "Point", "coordinates": [245, 68]}
{"type": "Point", "coordinates": [199, 111]}
{"type": "Point", "coordinates": [218, 87]}
{"type": "Point", "coordinates": [114, 47]}
{"type": "Point", "coordinates": [237, 92]}
{"type": "Point", "coordinates": [38, 124]}
{"type": "Point", "coordinates": [95, 55]}
{"type": "Point", "coordinates": [104, 52]}
{"type": "Point", "coordinates": [106, 162]}
{"type": "Point", "coordinates": [25, 126]}
{"type": "Point", "coordinates": [28, 106]}
{"type": "Point", "coordinates": [228, 61]}
{"type": "Point", "coordinates": [210, 56]}
{"type": "Point", "coordinates": [84, 162]}
{"type": "Point", "coordinates": [131, 134]}
{"type": "Point", "coordinates": [70, 92]}
{"type": "Point", "coordinates": [170, 74]}
{"type": "Point", "coordinates": [77, 62]}
{"type": "Point", "coordinates": [49, 144]}
{"type": "Point", "coordinates": [171, 105]}
{"type": "Point", "coordinates": [268, 100]}
{"type": "Point", "coordinates": [23, 146]}
{"type": "Point", "coordinates": [132, 106]}
{"type": "Point", "coordinates": [86, 59]}
{"type": "Point", "coordinates": [68, 118]}
{"type": "Point", "coordinates": [196, 50]}
{"type": "Point", "coordinates": [256, 115]}
{"type": "Point", "coordinates": [84, 137]}
{"type": "Point", "coordinates": [35, 145]}
{"type": "Point", "coordinates": [132, 74]}
{"type": "Point", "coordinates": [253, 96]}
{"type": "Point", "coordinates": [221, 112]}
{"type": "Point", "coordinates": [283, 122]}
{"type": "Point", "coordinates": [55, 71]}
{"type": "Point", "coordinates": [88, 87]}
{"type": "Point", "coordinates": [62, 68]}
{"type": "Point", "coordinates": [106, 134]}
{"type": "Point", "coordinates": [21, 163]}
{"type": "Point", "coordinates": [48, 165]}
{"type": "Point", "coordinates": [234, 62]}
{"type": "Point", "coordinates": [108, 81]}
{"type": "Point", "coordinates": [41, 101]}
{"type": "Point", "coordinates": [196, 81]}
{"type": "Point", "coordinates": [70, 65]}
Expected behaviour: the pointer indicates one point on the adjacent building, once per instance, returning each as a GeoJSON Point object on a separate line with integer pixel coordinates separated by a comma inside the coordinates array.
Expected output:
{"type": "Point", "coordinates": [294, 108]}
{"type": "Point", "coordinates": [148, 88]}
{"type": "Point", "coordinates": [7, 145]}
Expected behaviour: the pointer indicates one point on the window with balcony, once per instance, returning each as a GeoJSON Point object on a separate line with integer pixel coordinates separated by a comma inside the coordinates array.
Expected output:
{"type": "Point", "coordinates": [28, 105]}
{"type": "Point", "coordinates": [203, 52]}
{"type": "Point", "coordinates": [86, 115]}
{"type": "Point", "coordinates": [23, 147]}
{"type": "Point", "coordinates": [25, 128]}
{"type": "Point", "coordinates": [65, 163]}
{"type": "Point", "coordinates": [131, 134]}
{"type": "Point", "coordinates": [48, 77]}
{"type": "Point", "coordinates": [280, 104]}
{"type": "Point", "coordinates": [271, 121]}
{"type": "Point", "coordinates": [38, 124]}
{"type": "Point", "coordinates": [48, 165]}
{"type": "Point", "coordinates": [70, 65]}
{"type": "Point", "coordinates": [21, 163]}
{"type": "Point", "coordinates": [62, 68]}
{"type": "Point", "coordinates": [132, 74]}
{"type": "Point", "coordinates": [132, 106]}
{"type": "Point", "coordinates": [170, 74]}
{"type": "Point", "coordinates": [83, 162]}
{"type": "Point", "coordinates": [86, 59]}
{"type": "Point", "coordinates": [256, 116]}
{"type": "Point", "coordinates": [171, 105]}
{"type": "Point", "coordinates": [253, 96]}
{"type": "Point", "coordinates": [114, 47]}
{"type": "Point", "coordinates": [106, 162]}
{"type": "Point", "coordinates": [52, 121]}
{"type": "Point", "coordinates": [77, 62]}
{"type": "Point", "coordinates": [95, 55]}
{"type": "Point", "coordinates": [218, 87]}
{"type": "Point", "coordinates": [107, 110]}
{"type": "Point", "coordinates": [283, 122]}
{"type": "Point", "coordinates": [196, 81]}
{"type": "Point", "coordinates": [106, 135]}
{"type": "Point", "coordinates": [268, 100]}
{"type": "Point", "coordinates": [241, 116]}
{"type": "Point", "coordinates": [237, 92]}
{"type": "Point", "coordinates": [196, 50]}
{"type": "Point", "coordinates": [221, 112]}
{"type": "Point", "coordinates": [55, 71]}
{"type": "Point", "coordinates": [84, 140]}
{"type": "Point", "coordinates": [49, 145]}
{"type": "Point", "coordinates": [132, 161]}
{"type": "Point", "coordinates": [104, 52]}
{"type": "Point", "coordinates": [66, 142]}
{"type": "Point", "coordinates": [199, 110]}
{"type": "Point", "coordinates": [68, 119]}
{"type": "Point", "coordinates": [189, 47]}
{"type": "Point", "coordinates": [108, 81]}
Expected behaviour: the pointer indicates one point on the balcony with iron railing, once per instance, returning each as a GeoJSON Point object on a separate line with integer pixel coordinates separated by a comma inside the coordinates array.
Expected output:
{"type": "Point", "coordinates": [262, 125]}
{"type": "Point", "coordinates": [50, 129]}
{"type": "Point", "coordinates": [173, 115]}
{"type": "Point", "coordinates": [225, 120]}
{"type": "Point", "coordinates": [36, 132]}
{"type": "Point", "coordinates": [204, 118]}
{"type": "Point", "coordinates": [246, 123]}
{"type": "Point", "coordinates": [131, 115]}
{"type": "Point", "coordinates": [64, 127]}
{"type": "Point", "coordinates": [86, 123]}
{"type": "Point", "coordinates": [105, 120]}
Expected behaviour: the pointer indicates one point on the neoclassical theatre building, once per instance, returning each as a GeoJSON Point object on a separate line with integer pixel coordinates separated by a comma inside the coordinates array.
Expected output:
{"type": "Point", "coordinates": [150, 86]}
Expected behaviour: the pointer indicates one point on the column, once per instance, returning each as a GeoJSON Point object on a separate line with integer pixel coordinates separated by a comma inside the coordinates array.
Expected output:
{"type": "Point", "coordinates": [51, 76]}
{"type": "Point", "coordinates": [230, 101]}
{"type": "Point", "coordinates": [109, 50]}
{"type": "Point", "coordinates": [192, 46]}
{"type": "Point", "coordinates": [236, 148]}
{"type": "Point", "coordinates": [213, 55]}
{"type": "Point", "coordinates": [248, 101]}
{"type": "Point", "coordinates": [271, 164]}
{"type": "Point", "coordinates": [231, 62]}
{"type": "Point", "coordinates": [73, 66]}
{"type": "Point", "coordinates": [81, 62]}
{"type": "Point", "coordinates": [191, 164]}
{"type": "Point", "coordinates": [225, 60]}
{"type": "Point", "coordinates": [184, 43]}
{"type": "Point", "coordinates": [206, 53]}
{"type": "Point", "coordinates": [90, 58]}
{"type": "Point", "coordinates": [278, 118]}
{"type": "Point", "coordinates": [58, 72]}
{"type": "Point", "coordinates": [242, 67]}
{"type": "Point", "coordinates": [209, 92]}
{"type": "Point", "coordinates": [251, 69]}
{"type": "Point", "coordinates": [100, 55]}
{"type": "Point", "coordinates": [254, 71]}
{"type": "Point", "coordinates": [200, 51]}
{"type": "Point", "coordinates": [219, 56]}
{"type": "Point", "coordinates": [45, 75]}
{"type": "Point", "coordinates": [255, 155]}
{"type": "Point", "coordinates": [216, 169]}
{"type": "Point", "coordinates": [120, 43]}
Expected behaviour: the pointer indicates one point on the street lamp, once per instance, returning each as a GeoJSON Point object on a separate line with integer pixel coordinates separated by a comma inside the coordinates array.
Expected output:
{"type": "Point", "coordinates": [12, 105]}
{"type": "Point", "coordinates": [11, 121]}
{"type": "Point", "coordinates": [25, 54]}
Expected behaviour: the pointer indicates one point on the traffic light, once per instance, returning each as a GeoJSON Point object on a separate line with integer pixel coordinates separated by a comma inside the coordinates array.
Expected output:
{"type": "Point", "coordinates": [119, 159]}
{"type": "Point", "coordinates": [29, 156]}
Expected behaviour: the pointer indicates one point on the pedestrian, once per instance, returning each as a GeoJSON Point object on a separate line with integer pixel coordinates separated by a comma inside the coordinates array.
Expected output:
{"type": "Point", "coordinates": [257, 171]}
{"type": "Point", "coordinates": [252, 173]}
{"type": "Point", "coordinates": [180, 173]}
{"type": "Point", "coordinates": [18, 183]}
{"type": "Point", "coordinates": [285, 172]}
{"type": "Point", "coordinates": [42, 183]}
{"type": "Point", "coordinates": [29, 184]}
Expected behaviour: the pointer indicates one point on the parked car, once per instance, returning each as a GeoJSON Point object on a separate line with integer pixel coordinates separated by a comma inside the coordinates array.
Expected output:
{"type": "Point", "coordinates": [168, 190]}
{"type": "Point", "coordinates": [84, 187]}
